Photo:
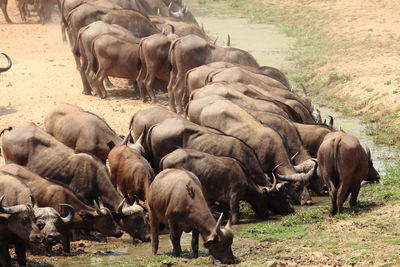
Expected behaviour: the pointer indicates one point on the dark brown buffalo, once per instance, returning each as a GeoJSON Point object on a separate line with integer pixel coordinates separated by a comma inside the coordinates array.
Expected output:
{"type": "Point", "coordinates": [176, 199]}
{"type": "Point", "coordinates": [50, 193]}
{"type": "Point", "coordinates": [223, 180]}
{"type": "Point", "coordinates": [170, 134]}
{"type": "Point", "coordinates": [134, 21]}
{"type": "Point", "coordinates": [81, 130]}
{"type": "Point", "coordinates": [3, 6]}
{"type": "Point", "coordinates": [144, 119]}
{"type": "Point", "coordinates": [236, 92]}
{"type": "Point", "coordinates": [115, 57]}
{"type": "Point", "coordinates": [192, 51]}
{"type": "Point", "coordinates": [265, 141]}
{"type": "Point", "coordinates": [343, 163]}
{"type": "Point", "coordinates": [154, 62]}
{"type": "Point", "coordinates": [29, 146]}
{"type": "Point", "coordinates": [6, 68]}
{"type": "Point", "coordinates": [130, 170]}
{"type": "Point", "coordinates": [17, 221]}
{"type": "Point", "coordinates": [84, 48]}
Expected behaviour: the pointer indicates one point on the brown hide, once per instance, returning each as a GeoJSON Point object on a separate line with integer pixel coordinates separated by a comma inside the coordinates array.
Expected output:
{"type": "Point", "coordinates": [223, 179]}
{"type": "Point", "coordinates": [85, 38]}
{"type": "Point", "coordinates": [343, 163]}
{"type": "Point", "coordinates": [175, 26]}
{"type": "Point", "coordinates": [236, 92]}
{"type": "Point", "coordinates": [116, 58]}
{"type": "Point", "coordinates": [192, 51]}
{"type": "Point", "coordinates": [144, 119]}
{"type": "Point", "coordinates": [154, 62]}
{"type": "Point", "coordinates": [81, 130]}
{"type": "Point", "coordinates": [131, 172]}
{"type": "Point", "coordinates": [266, 142]}
{"type": "Point", "coordinates": [176, 199]}
{"type": "Point", "coordinates": [29, 146]}
{"type": "Point", "coordinates": [171, 134]}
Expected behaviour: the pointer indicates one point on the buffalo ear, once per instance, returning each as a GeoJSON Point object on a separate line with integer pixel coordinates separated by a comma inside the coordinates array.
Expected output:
{"type": "Point", "coordinates": [111, 145]}
{"type": "Point", "coordinates": [212, 238]}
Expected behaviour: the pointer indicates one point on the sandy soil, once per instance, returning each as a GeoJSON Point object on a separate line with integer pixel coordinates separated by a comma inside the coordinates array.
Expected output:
{"type": "Point", "coordinates": [44, 74]}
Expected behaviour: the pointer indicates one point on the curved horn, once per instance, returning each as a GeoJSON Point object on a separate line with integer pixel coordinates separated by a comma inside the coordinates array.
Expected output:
{"type": "Point", "coordinates": [218, 225]}
{"type": "Point", "coordinates": [11, 209]}
{"type": "Point", "coordinates": [215, 41]}
{"type": "Point", "coordinates": [120, 207]}
{"type": "Point", "coordinates": [276, 167]}
{"type": "Point", "coordinates": [34, 203]}
{"type": "Point", "coordinates": [228, 42]}
{"type": "Point", "coordinates": [273, 187]}
{"type": "Point", "coordinates": [138, 143]}
{"type": "Point", "coordinates": [163, 31]}
{"type": "Point", "coordinates": [298, 176]}
{"type": "Point", "coordinates": [127, 137]}
{"type": "Point", "coordinates": [170, 6]}
{"type": "Point", "coordinates": [9, 64]}
{"type": "Point", "coordinates": [330, 121]}
{"type": "Point", "coordinates": [70, 215]}
{"type": "Point", "coordinates": [97, 208]}
{"type": "Point", "coordinates": [294, 156]}
{"type": "Point", "coordinates": [228, 225]}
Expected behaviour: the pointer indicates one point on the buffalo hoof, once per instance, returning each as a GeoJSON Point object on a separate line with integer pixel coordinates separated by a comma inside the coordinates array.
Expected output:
{"type": "Point", "coordinates": [85, 92]}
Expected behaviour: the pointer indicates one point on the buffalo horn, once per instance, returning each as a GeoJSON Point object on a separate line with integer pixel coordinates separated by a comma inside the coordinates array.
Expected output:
{"type": "Point", "coordinates": [9, 64]}
{"type": "Point", "coordinates": [294, 156]}
{"type": "Point", "coordinates": [218, 225]}
{"type": "Point", "coordinates": [298, 176]}
{"type": "Point", "coordinates": [138, 143]}
{"type": "Point", "coordinates": [228, 42]}
{"type": "Point", "coordinates": [158, 12]}
{"type": "Point", "coordinates": [120, 207]}
{"type": "Point", "coordinates": [12, 209]}
{"type": "Point", "coordinates": [170, 6]}
{"type": "Point", "coordinates": [330, 121]}
{"type": "Point", "coordinates": [125, 141]}
{"type": "Point", "coordinates": [215, 41]}
{"type": "Point", "coordinates": [98, 207]}
{"type": "Point", "coordinates": [273, 187]}
{"type": "Point", "coordinates": [202, 27]}
{"type": "Point", "coordinates": [70, 215]}
{"type": "Point", "coordinates": [34, 203]}
{"type": "Point", "coordinates": [228, 225]}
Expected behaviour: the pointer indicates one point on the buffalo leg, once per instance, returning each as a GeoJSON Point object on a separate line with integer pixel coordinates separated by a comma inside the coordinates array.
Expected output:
{"type": "Point", "coordinates": [20, 250]}
{"type": "Point", "coordinates": [333, 195]}
{"type": "Point", "coordinates": [66, 242]}
{"type": "Point", "coordinates": [175, 235]}
{"type": "Point", "coordinates": [354, 195]}
{"type": "Point", "coordinates": [5, 259]}
{"type": "Point", "coordinates": [107, 82]}
{"type": "Point", "coordinates": [3, 6]}
{"type": "Point", "coordinates": [195, 243]}
{"type": "Point", "coordinates": [234, 209]}
{"type": "Point", "coordinates": [170, 88]}
{"type": "Point", "coordinates": [342, 194]}
{"type": "Point", "coordinates": [149, 82]}
{"type": "Point", "coordinates": [99, 78]}
{"type": "Point", "coordinates": [154, 232]}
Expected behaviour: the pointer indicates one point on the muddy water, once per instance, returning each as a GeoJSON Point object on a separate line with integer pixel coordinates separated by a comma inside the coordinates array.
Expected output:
{"type": "Point", "coordinates": [271, 48]}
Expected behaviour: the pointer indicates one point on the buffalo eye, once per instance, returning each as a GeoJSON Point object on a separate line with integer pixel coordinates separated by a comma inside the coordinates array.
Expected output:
{"type": "Point", "coordinates": [40, 226]}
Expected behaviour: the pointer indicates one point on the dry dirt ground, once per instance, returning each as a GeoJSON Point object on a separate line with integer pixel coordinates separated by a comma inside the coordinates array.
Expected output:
{"type": "Point", "coordinates": [43, 75]}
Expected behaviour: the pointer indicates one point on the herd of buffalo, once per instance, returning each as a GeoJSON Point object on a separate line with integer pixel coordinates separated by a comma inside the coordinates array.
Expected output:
{"type": "Point", "coordinates": [236, 132]}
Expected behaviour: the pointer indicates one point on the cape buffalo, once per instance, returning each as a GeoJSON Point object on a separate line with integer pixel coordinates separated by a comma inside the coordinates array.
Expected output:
{"type": "Point", "coordinates": [154, 62]}
{"type": "Point", "coordinates": [175, 199]}
{"type": "Point", "coordinates": [6, 68]}
{"type": "Point", "coordinates": [81, 130]}
{"type": "Point", "coordinates": [170, 134]}
{"type": "Point", "coordinates": [29, 146]}
{"type": "Point", "coordinates": [192, 51]}
{"type": "Point", "coordinates": [223, 180]}
{"type": "Point", "coordinates": [130, 170]}
{"type": "Point", "coordinates": [343, 163]}
{"type": "Point", "coordinates": [50, 193]}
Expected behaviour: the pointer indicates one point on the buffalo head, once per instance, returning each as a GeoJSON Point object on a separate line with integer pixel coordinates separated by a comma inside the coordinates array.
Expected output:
{"type": "Point", "coordinates": [21, 221]}
{"type": "Point", "coordinates": [103, 221]}
{"type": "Point", "coordinates": [373, 175]}
{"type": "Point", "coordinates": [219, 243]}
{"type": "Point", "coordinates": [132, 220]}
